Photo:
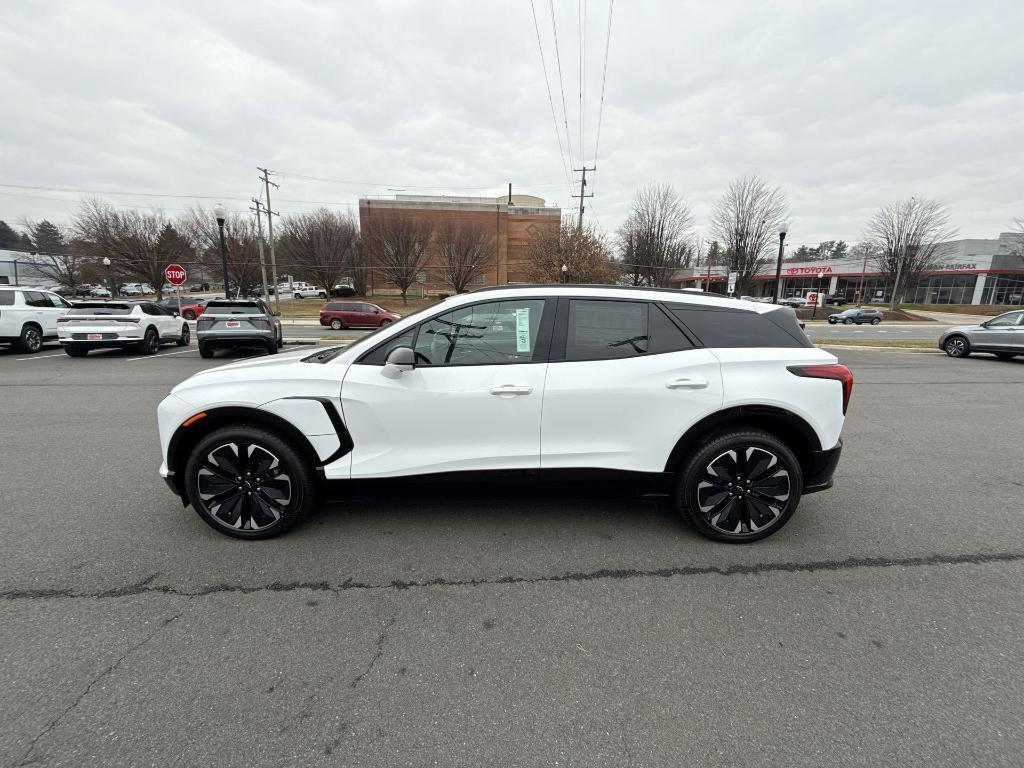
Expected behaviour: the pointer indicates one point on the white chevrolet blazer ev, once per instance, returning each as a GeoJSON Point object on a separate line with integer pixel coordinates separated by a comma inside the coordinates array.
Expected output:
{"type": "Point", "coordinates": [723, 404]}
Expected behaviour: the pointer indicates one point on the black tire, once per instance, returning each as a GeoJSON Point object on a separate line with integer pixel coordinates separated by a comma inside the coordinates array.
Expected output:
{"type": "Point", "coordinates": [1005, 355]}
{"type": "Point", "coordinates": [322, 295]}
{"type": "Point", "coordinates": [847, 321]}
{"type": "Point", "coordinates": [205, 350]}
{"type": "Point", "coordinates": [284, 489]}
{"type": "Point", "coordinates": [272, 347]}
{"type": "Point", "coordinates": [31, 339]}
{"type": "Point", "coordinates": [832, 321]}
{"type": "Point", "coordinates": [384, 323]}
{"type": "Point", "coordinates": [876, 320]}
{"type": "Point", "coordinates": [186, 336]}
{"type": "Point", "coordinates": [336, 324]}
{"type": "Point", "coordinates": [73, 351]}
{"type": "Point", "coordinates": [188, 314]}
{"type": "Point", "coordinates": [957, 346]}
{"type": "Point", "coordinates": [759, 507]}
{"type": "Point", "coordinates": [150, 343]}
{"type": "Point", "coordinates": [296, 295]}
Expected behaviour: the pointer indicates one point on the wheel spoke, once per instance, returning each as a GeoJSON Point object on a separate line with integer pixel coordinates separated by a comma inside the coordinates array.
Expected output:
{"type": "Point", "coordinates": [775, 486]}
{"type": "Point", "coordinates": [226, 457]}
{"type": "Point", "coordinates": [260, 461]}
{"type": "Point", "coordinates": [213, 469]}
{"type": "Point", "coordinates": [268, 511]}
{"type": "Point", "coordinates": [729, 519]}
{"type": "Point", "coordinates": [231, 509]}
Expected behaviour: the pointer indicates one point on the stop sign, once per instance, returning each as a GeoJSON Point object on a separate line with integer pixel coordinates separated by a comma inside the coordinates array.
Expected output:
{"type": "Point", "coordinates": [175, 274]}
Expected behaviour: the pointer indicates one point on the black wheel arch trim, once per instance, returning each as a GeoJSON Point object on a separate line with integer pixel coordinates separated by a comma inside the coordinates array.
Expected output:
{"type": "Point", "coordinates": [786, 425]}
{"type": "Point", "coordinates": [184, 438]}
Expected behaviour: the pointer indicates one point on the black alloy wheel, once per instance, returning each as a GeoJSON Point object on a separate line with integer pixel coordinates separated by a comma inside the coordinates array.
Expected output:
{"type": "Point", "coordinates": [248, 483]}
{"type": "Point", "coordinates": [957, 346]}
{"type": "Point", "coordinates": [739, 487]}
{"type": "Point", "coordinates": [30, 340]}
{"type": "Point", "coordinates": [186, 336]}
{"type": "Point", "coordinates": [150, 342]}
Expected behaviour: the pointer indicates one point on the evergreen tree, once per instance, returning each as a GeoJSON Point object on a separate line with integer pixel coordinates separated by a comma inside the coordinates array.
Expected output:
{"type": "Point", "coordinates": [8, 237]}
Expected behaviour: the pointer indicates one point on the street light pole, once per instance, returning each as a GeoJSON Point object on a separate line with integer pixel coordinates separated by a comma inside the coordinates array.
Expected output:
{"type": "Point", "coordinates": [565, 272]}
{"type": "Point", "coordinates": [220, 213]}
{"type": "Point", "coordinates": [110, 279]}
{"type": "Point", "coordinates": [778, 264]}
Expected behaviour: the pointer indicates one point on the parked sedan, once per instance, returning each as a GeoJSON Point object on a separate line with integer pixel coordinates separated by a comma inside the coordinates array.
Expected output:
{"type": "Point", "coordinates": [355, 314]}
{"type": "Point", "coordinates": [856, 315]}
{"type": "Point", "coordinates": [1003, 336]}
{"type": "Point", "coordinates": [838, 299]}
{"type": "Point", "coordinates": [794, 301]}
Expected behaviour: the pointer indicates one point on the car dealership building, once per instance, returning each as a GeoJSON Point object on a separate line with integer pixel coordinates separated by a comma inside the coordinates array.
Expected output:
{"type": "Point", "coordinates": [969, 272]}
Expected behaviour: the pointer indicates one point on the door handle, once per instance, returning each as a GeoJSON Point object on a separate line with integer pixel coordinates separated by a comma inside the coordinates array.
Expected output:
{"type": "Point", "coordinates": [511, 389]}
{"type": "Point", "coordinates": [687, 384]}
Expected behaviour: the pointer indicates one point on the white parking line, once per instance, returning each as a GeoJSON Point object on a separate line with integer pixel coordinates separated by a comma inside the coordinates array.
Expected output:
{"type": "Point", "coordinates": [159, 354]}
{"type": "Point", "coordinates": [41, 357]}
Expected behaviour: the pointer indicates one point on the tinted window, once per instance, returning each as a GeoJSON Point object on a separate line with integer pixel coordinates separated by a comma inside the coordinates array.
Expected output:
{"type": "Point", "coordinates": [606, 330]}
{"type": "Point", "coordinates": [333, 306]}
{"type": "Point", "coordinates": [36, 299]}
{"type": "Point", "coordinates": [365, 308]}
{"type": "Point", "coordinates": [495, 333]}
{"type": "Point", "coordinates": [380, 355]}
{"type": "Point", "coordinates": [56, 300]}
{"type": "Point", "coordinates": [101, 309]}
{"type": "Point", "coordinates": [236, 308]}
{"type": "Point", "coordinates": [6, 298]}
{"type": "Point", "coordinates": [665, 335]}
{"type": "Point", "coordinates": [731, 328]}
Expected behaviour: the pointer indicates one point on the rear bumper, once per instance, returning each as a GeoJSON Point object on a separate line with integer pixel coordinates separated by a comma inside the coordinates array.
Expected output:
{"type": "Point", "coordinates": [241, 340]}
{"type": "Point", "coordinates": [102, 344]}
{"type": "Point", "coordinates": [821, 465]}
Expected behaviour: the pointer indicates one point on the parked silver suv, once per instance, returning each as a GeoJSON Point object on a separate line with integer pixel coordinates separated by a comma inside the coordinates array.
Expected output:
{"type": "Point", "coordinates": [1003, 336]}
{"type": "Point", "coordinates": [238, 323]}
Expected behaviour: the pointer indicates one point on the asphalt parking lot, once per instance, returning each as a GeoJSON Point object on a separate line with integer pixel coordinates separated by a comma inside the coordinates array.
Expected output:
{"type": "Point", "coordinates": [882, 626]}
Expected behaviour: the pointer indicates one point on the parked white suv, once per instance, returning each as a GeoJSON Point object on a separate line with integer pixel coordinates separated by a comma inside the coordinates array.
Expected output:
{"type": "Point", "coordinates": [140, 325]}
{"type": "Point", "coordinates": [28, 317]}
{"type": "Point", "coordinates": [723, 404]}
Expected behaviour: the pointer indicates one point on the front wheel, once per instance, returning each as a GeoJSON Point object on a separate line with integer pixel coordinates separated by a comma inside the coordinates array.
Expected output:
{"type": "Point", "coordinates": [957, 346]}
{"type": "Point", "coordinates": [740, 486]}
{"type": "Point", "coordinates": [30, 340]}
{"type": "Point", "coordinates": [384, 323]}
{"type": "Point", "coordinates": [186, 336]}
{"type": "Point", "coordinates": [296, 295]}
{"type": "Point", "coordinates": [322, 295]}
{"type": "Point", "coordinates": [247, 482]}
{"type": "Point", "coordinates": [831, 321]}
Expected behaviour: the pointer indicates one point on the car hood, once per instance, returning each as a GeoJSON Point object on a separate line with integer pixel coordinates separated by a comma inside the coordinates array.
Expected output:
{"type": "Point", "coordinates": [962, 329]}
{"type": "Point", "coordinates": [286, 366]}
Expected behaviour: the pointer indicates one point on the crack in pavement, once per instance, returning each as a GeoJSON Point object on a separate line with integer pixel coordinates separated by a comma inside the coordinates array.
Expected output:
{"type": "Point", "coordinates": [78, 700]}
{"type": "Point", "coordinates": [381, 639]}
{"type": "Point", "coordinates": [146, 586]}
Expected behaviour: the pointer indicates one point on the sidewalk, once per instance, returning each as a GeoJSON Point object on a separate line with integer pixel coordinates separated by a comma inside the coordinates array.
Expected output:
{"type": "Point", "coordinates": [952, 319]}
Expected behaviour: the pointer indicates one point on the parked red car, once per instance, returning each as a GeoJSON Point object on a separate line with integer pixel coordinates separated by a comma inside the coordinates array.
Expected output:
{"type": "Point", "coordinates": [191, 307]}
{"type": "Point", "coordinates": [355, 314]}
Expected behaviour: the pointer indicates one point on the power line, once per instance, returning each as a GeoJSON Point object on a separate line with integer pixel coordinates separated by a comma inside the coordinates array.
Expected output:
{"type": "Point", "coordinates": [551, 101]}
{"type": "Point", "coordinates": [561, 86]}
{"type": "Point", "coordinates": [405, 186]}
{"type": "Point", "coordinates": [604, 77]}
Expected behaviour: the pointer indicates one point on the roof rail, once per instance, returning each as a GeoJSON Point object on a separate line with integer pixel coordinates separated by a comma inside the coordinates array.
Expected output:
{"type": "Point", "coordinates": [603, 286]}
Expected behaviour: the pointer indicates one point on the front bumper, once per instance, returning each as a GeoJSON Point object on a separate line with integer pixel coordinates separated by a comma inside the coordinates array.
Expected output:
{"type": "Point", "coordinates": [820, 467]}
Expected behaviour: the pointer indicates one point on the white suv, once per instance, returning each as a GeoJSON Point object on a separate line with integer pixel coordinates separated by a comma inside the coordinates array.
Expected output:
{"type": "Point", "coordinates": [723, 404]}
{"type": "Point", "coordinates": [140, 325]}
{"type": "Point", "coordinates": [28, 317]}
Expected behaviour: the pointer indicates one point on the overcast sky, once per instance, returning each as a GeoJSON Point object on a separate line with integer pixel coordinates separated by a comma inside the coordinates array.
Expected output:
{"type": "Point", "coordinates": [844, 105]}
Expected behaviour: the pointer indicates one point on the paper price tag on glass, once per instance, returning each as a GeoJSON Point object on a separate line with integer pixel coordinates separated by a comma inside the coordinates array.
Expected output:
{"type": "Point", "coordinates": [523, 330]}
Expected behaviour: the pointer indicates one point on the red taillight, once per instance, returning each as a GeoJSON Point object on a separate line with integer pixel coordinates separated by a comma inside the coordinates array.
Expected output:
{"type": "Point", "coordinates": [833, 371]}
{"type": "Point", "coordinates": [259, 320]}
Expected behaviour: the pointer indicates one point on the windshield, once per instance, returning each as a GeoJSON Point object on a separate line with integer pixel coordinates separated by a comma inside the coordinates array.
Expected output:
{"type": "Point", "coordinates": [235, 308]}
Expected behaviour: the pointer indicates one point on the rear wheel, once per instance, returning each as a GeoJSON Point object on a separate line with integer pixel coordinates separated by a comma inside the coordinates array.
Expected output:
{"type": "Point", "coordinates": [322, 295]}
{"type": "Point", "coordinates": [205, 350]}
{"type": "Point", "coordinates": [30, 340]}
{"type": "Point", "coordinates": [957, 346]}
{"type": "Point", "coordinates": [72, 351]}
{"type": "Point", "coordinates": [876, 320]}
{"type": "Point", "coordinates": [847, 321]}
{"type": "Point", "coordinates": [740, 486]}
{"type": "Point", "coordinates": [272, 347]}
{"type": "Point", "coordinates": [247, 482]}
{"type": "Point", "coordinates": [336, 324]}
{"type": "Point", "coordinates": [1005, 355]}
{"type": "Point", "coordinates": [296, 295]}
{"type": "Point", "coordinates": [186, 336]}
{"type": "Point", "coordinates": [150, 342]}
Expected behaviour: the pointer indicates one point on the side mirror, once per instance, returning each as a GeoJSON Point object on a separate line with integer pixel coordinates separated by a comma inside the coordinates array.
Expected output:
{"type": "Point", "coordinates": [399, 359]}
{"type": "Point", "coordinates": [376, 310]}
{"type": "Point", "coordinates": [985, 324]}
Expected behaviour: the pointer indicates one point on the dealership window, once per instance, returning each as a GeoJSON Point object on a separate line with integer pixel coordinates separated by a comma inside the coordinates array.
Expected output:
{"type": "Point", "coordinates": [1004, 289]}
{"type": "Point", "coordinates": [801, 286]}
{"type": "Point", "coordinates": [944, 289]}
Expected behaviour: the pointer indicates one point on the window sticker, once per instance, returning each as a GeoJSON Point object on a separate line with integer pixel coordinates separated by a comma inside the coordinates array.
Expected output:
{"type": "Point", "coordinates": [523, 330]}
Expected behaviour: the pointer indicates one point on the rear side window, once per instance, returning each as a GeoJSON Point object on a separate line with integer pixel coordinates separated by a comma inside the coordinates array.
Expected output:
{"type": "Point", "coordinates": [333, 307]}
{"type": "Point", "coordinates": [733, 328]}
{"type": "Point", "coordinates": [6, 298]}
{"type": "Point", "coordinates": [606, 330]}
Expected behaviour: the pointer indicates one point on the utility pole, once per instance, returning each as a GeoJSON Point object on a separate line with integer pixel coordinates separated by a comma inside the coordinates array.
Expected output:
{"type": "Point", "coordinates": [270, 226]}
{"type": "Point", "coordinates": [583, 187]}
{"type": "Point", "coordinates": [259, 244]}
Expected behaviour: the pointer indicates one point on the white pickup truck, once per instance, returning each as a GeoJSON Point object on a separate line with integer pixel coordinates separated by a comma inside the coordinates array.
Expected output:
{"type": "Point", "coordinates": [300, 290]}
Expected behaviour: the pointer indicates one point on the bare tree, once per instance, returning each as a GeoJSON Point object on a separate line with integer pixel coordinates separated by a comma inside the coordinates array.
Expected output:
{"type": "Point", "coordinates": [656, 239]}
{"type": "Point", "coordinates": [583, 252]}
{"type": "Point", "coordinates": [398, 245]}
{"type": "Point", "coordinates": [465, 252]}
{"type": "Point", "coordinates": [320, 245]}
{"type": "Point", "coordinates": [139, 245]}
{"type": "Point", "coordinates": [55, 255]}
{"type": "Point", "coordinates": [240, 239]}
{"type": "Point", "coordinates": [910, 237]}
{"type": "Point", "coordinates": [1015, 246]}
{"type": "Point", "coordinates": [747, 219]}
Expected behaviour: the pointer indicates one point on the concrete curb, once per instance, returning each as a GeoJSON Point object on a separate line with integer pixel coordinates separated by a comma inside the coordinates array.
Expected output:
{"type": "Point", "coordinates": [880, 349]}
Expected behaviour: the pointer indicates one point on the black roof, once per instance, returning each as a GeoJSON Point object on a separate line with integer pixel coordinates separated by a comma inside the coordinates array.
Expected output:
{"type": "Point", "coordinates": [603, 286]}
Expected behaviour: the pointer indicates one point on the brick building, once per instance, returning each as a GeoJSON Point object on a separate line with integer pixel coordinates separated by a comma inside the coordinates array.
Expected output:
{"type": "Point", "coordinates": [509, 221]}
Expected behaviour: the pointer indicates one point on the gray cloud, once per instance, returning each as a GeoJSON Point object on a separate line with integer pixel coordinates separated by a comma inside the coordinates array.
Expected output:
{"type": "Point", "coordinates": [845, 106]}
